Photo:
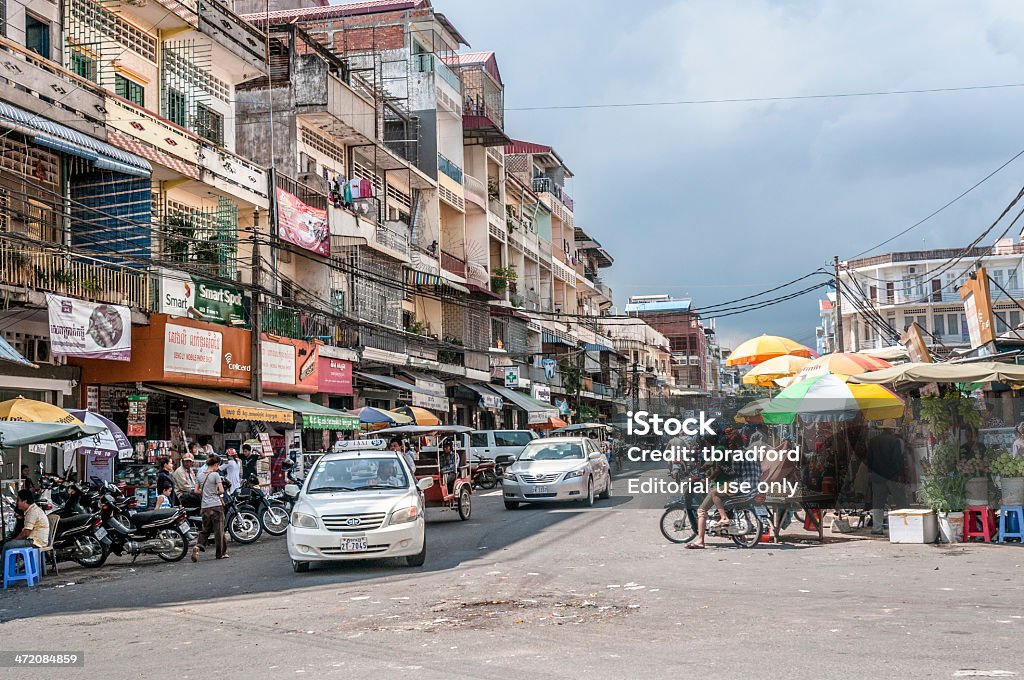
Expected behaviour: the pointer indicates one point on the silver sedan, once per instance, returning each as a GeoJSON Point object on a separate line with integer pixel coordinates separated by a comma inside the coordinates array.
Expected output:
{"type": "Point", "coordinates": [557, 469]}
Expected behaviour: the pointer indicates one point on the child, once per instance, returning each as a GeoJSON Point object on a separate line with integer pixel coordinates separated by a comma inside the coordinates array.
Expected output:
{"type": "Point", "coordinates": [163, 500]}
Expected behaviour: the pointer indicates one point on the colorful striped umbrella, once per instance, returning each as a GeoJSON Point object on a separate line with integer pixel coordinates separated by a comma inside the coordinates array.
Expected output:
{"type": "Point", "coordinates": [766, 347]}
{"type": "Point", "coordinates": [829, 398]}
{"type": "Point", "coordinates": [766, 372]}
{"type": "Point", "coordinates": [842, 363]}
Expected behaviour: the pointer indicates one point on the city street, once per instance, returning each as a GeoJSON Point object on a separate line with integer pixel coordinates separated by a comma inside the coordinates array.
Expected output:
{"type": "Point", "coordinates": [553, 591]}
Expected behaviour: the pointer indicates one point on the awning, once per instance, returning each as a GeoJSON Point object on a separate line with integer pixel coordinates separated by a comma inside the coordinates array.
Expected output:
{"type": "Point", "coordinates": [418, 278]}
{"type": "Point", "coordinates": [230, 405]}
{"type": "Point", "coordinates": [392, 382]}
{"type": "Point", "coordinates": [591, 347]}
{"type": "Point", "coordinates": [315, 416]}
{"type": "Point", "coordinates": [488, 398]}
{"type": "Point", "coordinates": [61, 138]}
{"type": "Point", "coordinates": [8, 353]}
{"type": "Point", "coordinates": [482, 290]}
{"type": "Point", "coordinates": [537, 411]}
{"type": "Point", "coordinates": [549, 338]}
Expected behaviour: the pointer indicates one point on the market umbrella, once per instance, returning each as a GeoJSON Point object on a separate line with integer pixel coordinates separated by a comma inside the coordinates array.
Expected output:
{"type": "Point", "coordinates": [829, 398]}
{"type": "Point", "coordinates": [766, 373]}
{"type": "Point", "coordinates": [842, 363]}
{"type": "Point", "coordinates": [751, 411]}
{"type": "Point", "coordinates": [111, 443]}
{"type": "Point", "coordinates": [420, 416]}
{"type": "Point", "coordinates": [766, 347]}
{"type": "Point", "coordinates": [371, 416]}
{"type": "Point", "coordinates": [32, 411]}
{"type": "Point", "coordinates": [551, 423]}
{"type": "Point", "coordinates": [972, 372]}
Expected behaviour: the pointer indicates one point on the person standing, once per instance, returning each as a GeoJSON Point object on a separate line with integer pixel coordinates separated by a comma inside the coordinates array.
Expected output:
{"type": "Point", "coordinates": [211, 487]}
{"type": "Point", "coordinates": [165, 479]}
{"type": "Point", "coordinates": [184, 477]}
{"type": "Point", "coordinates": [250, 462]}
{"type": "Point", "coordinates": [885, 465]}
{"type": "Point", "coordinates": [233, 471]}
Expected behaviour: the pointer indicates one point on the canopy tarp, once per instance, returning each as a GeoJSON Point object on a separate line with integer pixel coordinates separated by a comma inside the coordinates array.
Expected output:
{"type": "Point", "coordinates": [231, 406]}
{"type": "Point", "coordinates": [15, 433]}
{"type": "Point", "coordinates": [314, 416]}
{"type": "Point", "coordinates": [972, 372]}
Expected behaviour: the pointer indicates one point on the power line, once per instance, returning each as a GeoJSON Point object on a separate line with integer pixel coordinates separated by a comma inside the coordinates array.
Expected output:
{"type": "Point", "coordinates": [779, 98]}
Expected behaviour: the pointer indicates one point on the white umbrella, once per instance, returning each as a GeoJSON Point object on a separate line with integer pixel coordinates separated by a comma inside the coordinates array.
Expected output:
{"type": "Point", "coordinates": [110, 443]}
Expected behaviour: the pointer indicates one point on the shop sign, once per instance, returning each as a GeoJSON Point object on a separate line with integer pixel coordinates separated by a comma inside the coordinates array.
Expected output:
{"type": "Point", "coordinates": [430, 401]}
{"type": "Point", "coordinates": [541, 393]}
{"type": "Point", "coordinates": [88, 329]}
{"type": "Point", "coordinates": [278, 363]}
{"type": "Point", "coordinates": [978, 308]}
{"type": "Point", "coordinates": [137, 405]}
{"type": "Point", "coordinates": [335, 376]}
{"type": "Point", "coordinates": [183, 294]}
{"type": "Point", "coordinates": [511, 376]}
{"type": "Point", "coordinates": [317, 421]}
{"type": "Point", "coordinates": [193, 351]}
{"type": "Point", "coordinates": [491, 401]}
{"type": "Point", "coordinates": [268, 449]}
{"type": "Point", "coordinates": [549, 367]}
{"type": "Point", "coordinates": [303, 225]}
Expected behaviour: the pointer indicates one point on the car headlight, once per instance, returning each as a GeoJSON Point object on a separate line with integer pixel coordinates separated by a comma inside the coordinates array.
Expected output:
{"type": "Point", "coordinates": [403, 515]}
{"type": "Point", "coordinates": [574, 474]}
{"type": "Point", "coordinates": [304, 521]}
{"type": "Point", "coordinates": [509, 476]}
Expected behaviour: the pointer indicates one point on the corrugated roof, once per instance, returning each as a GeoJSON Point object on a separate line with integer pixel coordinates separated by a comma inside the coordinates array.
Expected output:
{"type": "Point", "coordinates": [660, 306]}
{"type": "Point", "coordinates": [487, 59]}
{"type": "Point", "coordinates": [518, 146]}
{"type": "Point", "coordinates": [339, 10]}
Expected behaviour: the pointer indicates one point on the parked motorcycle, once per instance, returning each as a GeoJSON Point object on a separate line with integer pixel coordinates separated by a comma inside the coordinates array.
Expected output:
{"type": "Point", "coordinates": [243, 524]}
{"type": "Point", "coordinates": [80, 536]}
{"type": "Point", "coordinates": [483, 472]}
{"type": "Point", "coordinates": [746, 517]}
{"type": "Point", "coordinates": [271, 511]}
{"type": "Point", "coordinates": [164, 533]}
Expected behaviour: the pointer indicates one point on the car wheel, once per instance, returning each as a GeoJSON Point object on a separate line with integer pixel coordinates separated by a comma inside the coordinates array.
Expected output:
{"type": "Point", "coordinates": [607, 493]}
{"type": "Point", "coordinates": [300, 567]}
{"type": "Point", "coordinates": [589, 500]}
{"type": "Point", "coordinates": [511, 505]}
{"type": "Point", "coordinates": [419, 558]}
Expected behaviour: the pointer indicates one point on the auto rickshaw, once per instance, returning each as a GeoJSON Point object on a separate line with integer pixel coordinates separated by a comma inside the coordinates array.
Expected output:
{"type": "Point", "coordinates": [451, 490]}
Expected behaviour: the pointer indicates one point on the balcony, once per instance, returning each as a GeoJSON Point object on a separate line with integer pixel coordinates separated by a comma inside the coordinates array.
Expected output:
{"type": "Point", "coordinates": [287, 321]}
{"type": "Point", "coordinates": [55, 270]}
{"type": "Point", "coordinates": [324, 99]}
{"type": "Point", "coordinates": [562, 272]}
{"type": "Point", "coordinates": [152, 137]}
{"type": "Point", "coordinates": [453, 171]}
{"type": "Point", "coordinates": [213, 18]}
{"type": "Point", "coordinates": [475, 191]}
{"type": "Point", "coordinates": [483, 108]}
{"type": "Point", "coordinates": [234, 175]}
{"type": "Point", "coordinates": [546, 185]}
{"type": "Point", "coordinates": [453, 264]}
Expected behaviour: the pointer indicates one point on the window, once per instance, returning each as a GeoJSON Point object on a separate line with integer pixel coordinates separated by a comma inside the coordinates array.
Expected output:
{"type": "Point", "coordinates": [177, 108]}
{"type": "Point", "coordinates": [867, 332]}
{"type": "Point", "coordinates": [84, 66]}
{"type": "Point", "coordinates": [1014, 319]}
{"type": "Point", "coordinates": [939, 325]}
{"type": "Point", "coordinates": [129, 89]}
{"type": "Point", "coordinates": [37, 35]}
{"type": "Point", "coordinates": [964, 333]}
{"type": "Point", "coordinates": [1001, 326]}
{"type": "Point", "coordinates": [209, 124]}
{"type": "Point", "coordinates": [478, 440]}
{"type": "Point", "coordinates": [953, 324]}
{"type": "Point", "coordinates": [3, 18]}
{"type": "Point", "coordinates": [936, 290]}
{"type": "Point", "coordinates": [513, 438]}
{"type": "Point", "coordinates": [890, 292]}
{"type": "Point", "coordinates": [922, 321]}
{"type": "Point", "coordinates": [1011, 279]}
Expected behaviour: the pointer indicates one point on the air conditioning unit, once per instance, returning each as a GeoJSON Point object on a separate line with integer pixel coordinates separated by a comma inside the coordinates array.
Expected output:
{"type": "Point", "coordinates": [37, 350]}
{"type": "Point", "coordinates": [912, 270]}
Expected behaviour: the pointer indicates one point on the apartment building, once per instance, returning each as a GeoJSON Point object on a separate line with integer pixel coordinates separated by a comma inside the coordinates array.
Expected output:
{"type": "Point", "coordinates": [689, 339]}
{"type": "Point", "coordinates": [647, 356]}
{"type": "Point", "coordinates": [883, 294]}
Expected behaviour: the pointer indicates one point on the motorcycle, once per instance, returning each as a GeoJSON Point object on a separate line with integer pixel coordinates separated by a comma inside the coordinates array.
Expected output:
{"type": "Point", "coordinates": [243, 524]}
{"type": "Point", "coordinates": [80, 536]}
{"type": "Point", "coordinates": [164, 533]}
{"type": "Point", "coordinates": [746, 521]}
{"type": "Point", "coordinates": [482, 471]}
{"type": "Point", "coordinates": [500, 463]}
{"type": "Point", "coordinates": [272, 512]}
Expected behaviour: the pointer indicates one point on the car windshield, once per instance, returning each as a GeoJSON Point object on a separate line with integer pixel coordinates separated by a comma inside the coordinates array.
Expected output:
{"type": "Point", "coordinates": [512, 438]}
{"type": "Point", "coordinates": [551, 451]}
{"type": "Point", "coordinates": [357, 474]}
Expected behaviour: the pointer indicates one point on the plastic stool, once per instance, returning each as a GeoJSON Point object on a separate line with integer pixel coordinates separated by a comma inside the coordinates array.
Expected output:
{"type": "Point", "coordinates": [980, 516]}
{"type": "Point", "coordinates": [30, 563]}
{"type": "Point", "coordinates": [1011, 522]}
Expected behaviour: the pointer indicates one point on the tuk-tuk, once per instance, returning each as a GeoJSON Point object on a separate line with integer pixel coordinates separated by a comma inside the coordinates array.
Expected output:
{"type": "Point", "coordinates": [453, 485]}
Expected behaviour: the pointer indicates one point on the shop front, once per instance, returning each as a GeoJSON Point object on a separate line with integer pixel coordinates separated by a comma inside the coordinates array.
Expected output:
{"type": "Point", "coordinates": [537, 413]}
{"type": "Point", "coordinates": [478, 406]}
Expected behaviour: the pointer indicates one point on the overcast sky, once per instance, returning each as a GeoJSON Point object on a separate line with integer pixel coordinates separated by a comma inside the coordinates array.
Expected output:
{"type": "Point", "coordinates": [718, 201]}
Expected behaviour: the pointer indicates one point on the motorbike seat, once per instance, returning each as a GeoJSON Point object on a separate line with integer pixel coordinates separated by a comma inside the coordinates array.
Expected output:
{"type": "Point", "coordinates": [733, 502]}
{"type": "Point", "coordinates": [140, 519]}
{"type": "Point", "coordinates": [74, 521]}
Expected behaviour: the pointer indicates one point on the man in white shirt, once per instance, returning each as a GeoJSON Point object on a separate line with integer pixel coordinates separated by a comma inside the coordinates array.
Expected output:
{"type": "Point", "coordinates": [35, 526]}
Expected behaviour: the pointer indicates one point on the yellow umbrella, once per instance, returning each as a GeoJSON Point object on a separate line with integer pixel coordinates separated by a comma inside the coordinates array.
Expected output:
{"type": "Point", "coordinates": [32, 411]}
{"type": "Point", "coordinates": [420, 416]}
{"type": "Point", "coordinates": [766, 347]}
{"type": "Point", "coordinates": [766, 373]}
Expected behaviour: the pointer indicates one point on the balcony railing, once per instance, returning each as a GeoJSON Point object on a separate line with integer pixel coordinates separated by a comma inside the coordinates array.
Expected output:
{"type": "Point", "coordinates": [543, 185]}
{"type": "Point", "coordinates": [287, 321]}
{"type": "Point", "coordinates": [54, 271]}
{"type": "Point", "coordinates": [453, 264]}
{"type": "Point", "coordinates": [392, 239]}
{"type": "Point", "coordinates": [449, 168]}
{"type": "Point", "coordinates": [447, 75]}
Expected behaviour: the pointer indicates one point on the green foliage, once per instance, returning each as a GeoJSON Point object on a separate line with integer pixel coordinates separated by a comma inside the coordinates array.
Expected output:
{"type": "Point", "coordinates": [571, 376]}
{"type": "Point", "coordinates": [944, 493]}
{"type": "Point", "coordinates": [417, 328]}
{"type": "Point", "coordinates": [943, 459]}
{"type": "Point", "coordinates": [948, 411]}
{"type": "Point", "coordinates": [1006, 465]}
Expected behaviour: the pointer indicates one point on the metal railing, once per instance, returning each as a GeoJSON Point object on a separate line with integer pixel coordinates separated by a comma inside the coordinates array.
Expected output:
{"type": "Point", "coordinates": [392, 239]}
{"type": "Point", "coordinates": [56, 271]}
{"type": "Point", "coordinates": [547, 185]}
{"type": "Point", "coordinates": [456, 265]}
{"type": "Point", "coordinates": [449, 168]}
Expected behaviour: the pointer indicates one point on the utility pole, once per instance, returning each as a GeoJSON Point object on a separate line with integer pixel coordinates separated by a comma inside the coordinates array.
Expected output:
{"type": "Point", "coordinates": [636, 385]}
{"type": "Point", "coordinates": [840, 342]}
{"type": "Point", "coordinates": [256, 370]}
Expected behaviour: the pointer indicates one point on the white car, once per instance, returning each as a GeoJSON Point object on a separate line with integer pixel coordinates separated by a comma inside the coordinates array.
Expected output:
{"type": "Point", "coordinates": [357, 504]}
{"type": "Point", "coordinates": [490, 444]}
{"type": "Point", "coordinates": [557, 469]}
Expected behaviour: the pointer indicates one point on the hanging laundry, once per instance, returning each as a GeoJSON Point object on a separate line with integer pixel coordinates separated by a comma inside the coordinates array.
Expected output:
{"type": "Point", "coordinates": [353, 186]}
{"type": "Point", "coordinates": [346, 195]}
{"type": "Point", "coordinates": [365, 188]}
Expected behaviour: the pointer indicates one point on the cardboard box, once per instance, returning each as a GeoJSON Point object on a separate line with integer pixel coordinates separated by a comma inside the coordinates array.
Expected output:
{"type": "Point", "coordinates": [913, 526]}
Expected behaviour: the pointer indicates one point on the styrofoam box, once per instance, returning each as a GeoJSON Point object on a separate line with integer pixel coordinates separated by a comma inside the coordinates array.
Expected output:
{"type": "Point", "coordinates": [913, 526]}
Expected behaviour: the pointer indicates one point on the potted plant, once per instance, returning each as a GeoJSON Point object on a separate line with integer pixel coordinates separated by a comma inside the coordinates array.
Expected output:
{"type": "Point", "coordinates": [976, 471]}
{"type": "Point", "coordinates": [1011, 477]}
{"type": "Point", "coordinates": [946, 495]}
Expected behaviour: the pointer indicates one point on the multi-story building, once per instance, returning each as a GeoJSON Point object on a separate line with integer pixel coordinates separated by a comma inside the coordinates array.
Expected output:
{"type": "Point", "coordinates": [647, 359]}
{"type": "Point", "coordinates": [677, 320]}
{"type": "Point", "coordinates": [883, 294]}
{"type": "Point", "coordinates": [825, 334]}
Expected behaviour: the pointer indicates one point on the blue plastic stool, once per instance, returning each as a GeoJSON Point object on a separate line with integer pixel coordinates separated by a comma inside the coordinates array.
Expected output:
{"type": "Point", "coordinates": [1011, 522]}
{"type": "Point", "coordinates": [30, 562]}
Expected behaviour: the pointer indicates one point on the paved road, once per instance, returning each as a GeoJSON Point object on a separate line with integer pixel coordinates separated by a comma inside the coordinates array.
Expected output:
{"type": "Point", "coordinates": [555, 591]}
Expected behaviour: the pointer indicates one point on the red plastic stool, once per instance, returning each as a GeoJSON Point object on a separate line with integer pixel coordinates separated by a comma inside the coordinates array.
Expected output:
{"type": "Point", "coordinates": [984, 518]}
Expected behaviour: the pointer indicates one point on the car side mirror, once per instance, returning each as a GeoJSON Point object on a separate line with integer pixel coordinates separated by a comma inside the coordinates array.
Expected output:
{"type": "Point", "coordinates": [425, 483]}
{"type": "Point", "coordinates": [291, 489]}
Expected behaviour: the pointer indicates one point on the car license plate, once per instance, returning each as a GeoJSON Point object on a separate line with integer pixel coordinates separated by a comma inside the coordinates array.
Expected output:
{"type": "Point", "coordinates": [353, 544]}
{"type": "Point", "coordinates": [101, 533]}
{"type": "Point", "coordinates": [540, 489]}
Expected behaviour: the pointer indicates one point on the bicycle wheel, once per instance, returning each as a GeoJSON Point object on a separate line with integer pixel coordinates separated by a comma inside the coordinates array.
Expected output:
{"type": "Point", "coordinates": [676, 525]}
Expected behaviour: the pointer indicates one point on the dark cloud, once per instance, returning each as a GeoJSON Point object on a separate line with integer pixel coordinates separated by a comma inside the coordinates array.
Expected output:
{"type": "Point", "coordinates": [722, 200]}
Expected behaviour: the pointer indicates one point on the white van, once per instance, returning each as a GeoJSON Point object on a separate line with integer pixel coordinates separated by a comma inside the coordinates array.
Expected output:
{"type": "Point", "coordinates": [490, 444]}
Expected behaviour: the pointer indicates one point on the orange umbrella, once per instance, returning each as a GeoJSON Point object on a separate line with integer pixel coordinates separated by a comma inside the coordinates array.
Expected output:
{"type": "Point", "coordinates": [420, 416]}
{"type": "Point", "coordinates": [550, 424]}
{"type": "Point", "coordinates": [765, 373]}
{"type": "Point", "coordinates": [842, 363]}
{"type": "Point", "coordinates": [765, 347]}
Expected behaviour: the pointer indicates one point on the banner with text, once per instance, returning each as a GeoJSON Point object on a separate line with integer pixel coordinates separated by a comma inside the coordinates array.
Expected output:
{"type": "Point", "coordinates": [88, 329]}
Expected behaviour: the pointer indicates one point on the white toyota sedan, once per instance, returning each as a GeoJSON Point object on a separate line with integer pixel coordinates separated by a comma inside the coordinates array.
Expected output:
{"type": "Point", "coordinates": [557, 469]}
{"type": "Point", "coordinates": [358, 504]}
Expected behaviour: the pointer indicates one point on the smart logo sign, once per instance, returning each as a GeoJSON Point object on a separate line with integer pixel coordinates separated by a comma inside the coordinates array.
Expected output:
{"type": "Point", "coordinates": [183, 294]}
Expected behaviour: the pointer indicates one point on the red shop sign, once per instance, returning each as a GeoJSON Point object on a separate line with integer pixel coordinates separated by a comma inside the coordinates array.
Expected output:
{"type": "Point", "coordinates": [335, 376]}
